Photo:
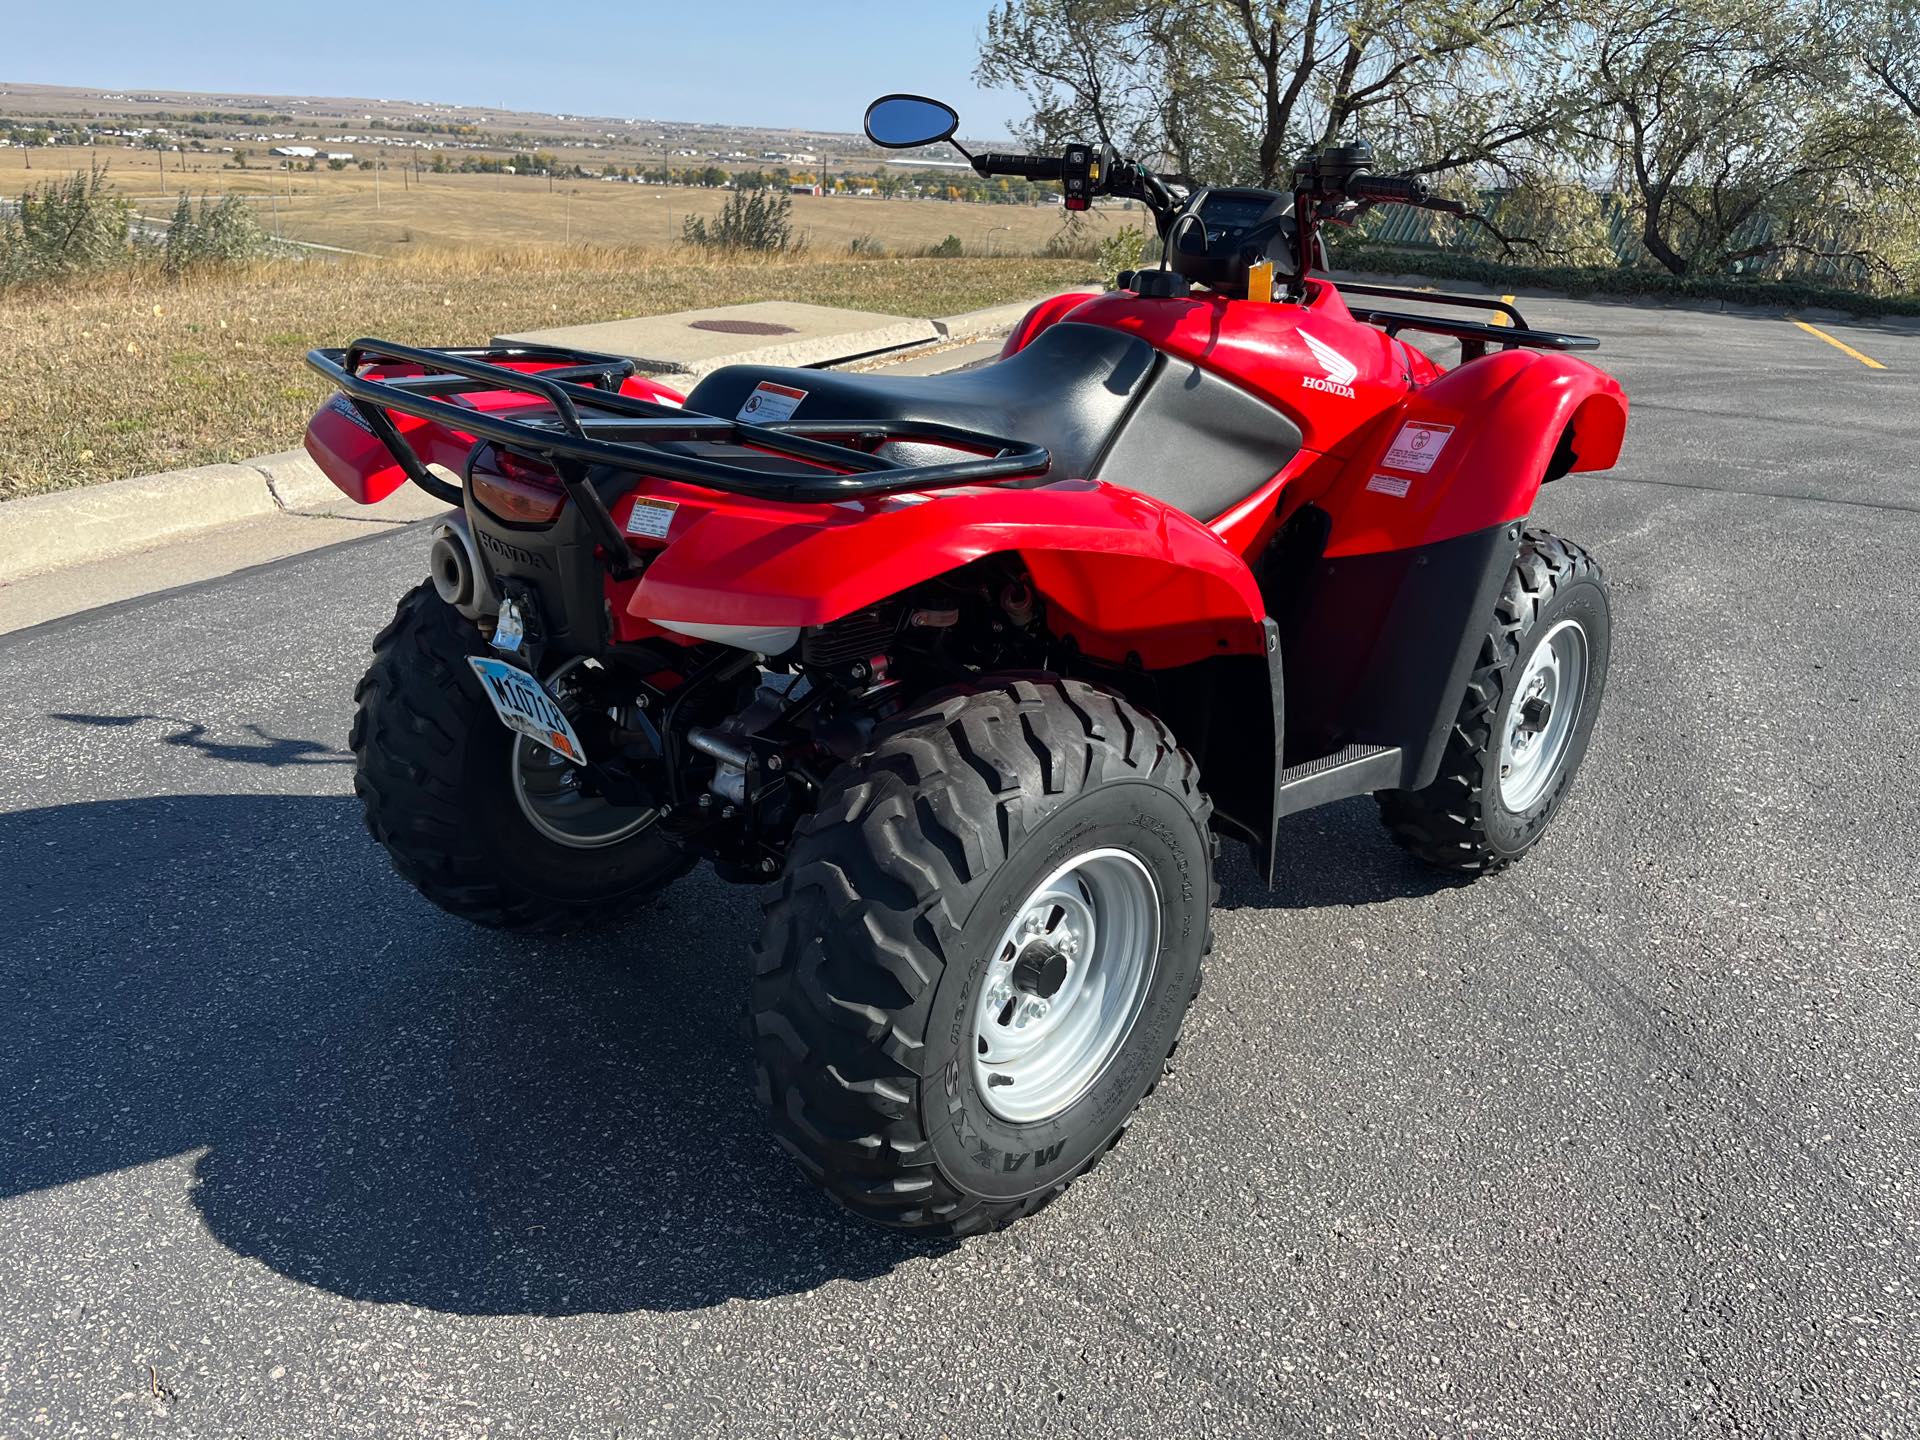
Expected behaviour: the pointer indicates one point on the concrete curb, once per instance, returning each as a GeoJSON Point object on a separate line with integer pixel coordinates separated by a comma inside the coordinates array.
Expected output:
{"type": "Point", "coordinates": [42, 533]}
{"type": "Point", "coordinates": [70, 527]}
{"type": "Point", "coordinates": [994, 320]}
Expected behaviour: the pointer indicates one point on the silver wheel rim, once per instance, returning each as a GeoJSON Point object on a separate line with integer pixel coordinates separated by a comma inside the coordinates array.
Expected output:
{"type": "Point", "coordinates": [549, 793]}
{"type": "Point", "coordinates": [1065, 985]}
{"type": "Point", "coordinates": [1543, 715]}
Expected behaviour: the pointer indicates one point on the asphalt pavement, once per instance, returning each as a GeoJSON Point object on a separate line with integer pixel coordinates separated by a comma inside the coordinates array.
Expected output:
{"type": "Point", "coordinates": [1620, 1143]}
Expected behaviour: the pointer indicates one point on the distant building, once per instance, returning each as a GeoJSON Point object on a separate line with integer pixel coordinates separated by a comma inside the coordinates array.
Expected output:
{"type": "Point", "coordinates": [295, 152]}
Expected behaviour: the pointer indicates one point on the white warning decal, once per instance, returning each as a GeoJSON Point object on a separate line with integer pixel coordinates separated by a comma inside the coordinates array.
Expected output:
{"type": "Point", "coordinates": [770, 403]}
{"type": "Point", "coordinates": [1417, 446]}
{"type": "Point", "coordinates": [652, 518]}
{"type": "Point", "coordinates": [1397, 485]}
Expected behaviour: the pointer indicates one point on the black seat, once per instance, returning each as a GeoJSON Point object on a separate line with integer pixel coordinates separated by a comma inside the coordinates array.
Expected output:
{"type": "Point", "coordinates": [1104, 403]}
{"type": "Point", "coordinates": [1068, 390]}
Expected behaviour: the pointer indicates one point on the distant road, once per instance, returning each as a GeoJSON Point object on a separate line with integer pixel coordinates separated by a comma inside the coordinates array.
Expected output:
{"type": "Point", "coordinates": [154, 226]}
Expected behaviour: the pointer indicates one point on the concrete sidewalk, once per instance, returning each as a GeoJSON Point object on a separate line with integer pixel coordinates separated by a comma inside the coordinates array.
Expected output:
{"type": "Point", "coordinates": [770, 332]}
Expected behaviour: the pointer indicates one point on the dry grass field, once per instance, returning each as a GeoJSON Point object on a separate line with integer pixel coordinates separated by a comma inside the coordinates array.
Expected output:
{"type": "Point", "coordinates": [130, 374]}
{"type": "Point", "coordinates": [341, 208]}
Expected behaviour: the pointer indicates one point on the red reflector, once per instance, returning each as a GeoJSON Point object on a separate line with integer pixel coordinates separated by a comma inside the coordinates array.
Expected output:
{"type": "Point", "coordinates": [518, 490]}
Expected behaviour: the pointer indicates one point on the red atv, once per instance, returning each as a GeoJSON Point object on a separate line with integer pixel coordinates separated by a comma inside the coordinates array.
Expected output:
{"type": "Point", "coordinates": [971, 672]}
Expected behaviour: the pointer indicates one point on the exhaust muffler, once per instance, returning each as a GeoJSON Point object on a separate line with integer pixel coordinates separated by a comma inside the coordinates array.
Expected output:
{"type": "Point", "coordinates": [459, 577]}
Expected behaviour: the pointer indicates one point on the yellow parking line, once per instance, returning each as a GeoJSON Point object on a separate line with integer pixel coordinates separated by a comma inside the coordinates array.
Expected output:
{"type": "Point", "coordinates": [1500, 316]}
{"type": "Point", "coordinates": [1866, 360]}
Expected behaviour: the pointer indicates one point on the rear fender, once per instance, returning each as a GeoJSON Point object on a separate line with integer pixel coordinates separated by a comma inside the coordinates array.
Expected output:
{"type": "Point", "coordinates": [1049, 311]}
{"type": "Point", "coordinates": [1125, 577]}
{"type": "Point", "coordinates": [1470, 450]}
{"type": "Point", "coordinates": [1174, 613]}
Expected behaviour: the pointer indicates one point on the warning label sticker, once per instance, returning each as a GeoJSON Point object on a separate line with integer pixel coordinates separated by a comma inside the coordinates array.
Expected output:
{"type": "Point", "coordinates": [770, 403]}
{"type": "Point", "coordinates": [1417, 446]}
{"type": "Point", "coordinates": [652, 518]}
{"type": "Point", "coordinates": [1397, 485]}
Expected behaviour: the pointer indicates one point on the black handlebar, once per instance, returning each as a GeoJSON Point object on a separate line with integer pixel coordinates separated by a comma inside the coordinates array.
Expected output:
{"type": "Point", "coordinates": [1029, 167]}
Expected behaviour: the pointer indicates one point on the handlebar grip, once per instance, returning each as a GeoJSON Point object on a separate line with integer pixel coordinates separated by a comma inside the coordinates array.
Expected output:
{"type": "Point", "coordinates": [1030, 167]}
{"type": "Point", "coordinates": [1391, 189]}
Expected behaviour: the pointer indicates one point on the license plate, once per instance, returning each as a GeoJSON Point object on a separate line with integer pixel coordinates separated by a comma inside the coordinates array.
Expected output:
{"type": "Point", "coordinates": [527, 707]}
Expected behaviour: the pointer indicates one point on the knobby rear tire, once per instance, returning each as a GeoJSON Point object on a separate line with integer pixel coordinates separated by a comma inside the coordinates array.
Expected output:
{"type": "Point", "coordinates": [432, 767]}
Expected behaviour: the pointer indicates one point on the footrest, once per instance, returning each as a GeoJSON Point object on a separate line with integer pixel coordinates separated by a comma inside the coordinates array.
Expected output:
{"type": "Point", "coordinates": [1354, 770]}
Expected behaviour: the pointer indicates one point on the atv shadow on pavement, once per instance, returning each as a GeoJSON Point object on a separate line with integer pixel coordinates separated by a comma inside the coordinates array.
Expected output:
{"type": "Point", "coordinates": [272, 751]}
{"type": "Point", "coordinates": [392, 1105]}
{"type": "Point", "coordinates": [1334, 855]}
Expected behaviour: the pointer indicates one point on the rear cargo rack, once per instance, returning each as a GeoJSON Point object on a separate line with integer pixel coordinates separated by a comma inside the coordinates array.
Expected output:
{"type": "Point", "coordinates": [1474, 336]}
{"type": "Point", "coordinates": [589, 422]}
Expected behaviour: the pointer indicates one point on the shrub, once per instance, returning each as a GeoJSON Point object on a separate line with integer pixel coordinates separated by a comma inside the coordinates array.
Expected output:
{"type": "Point", "coordinates": [65, 227]}
{"type": "Point", "coordinates": [222, 233]}
{"type": "Point", "coordinates": [948, 249]}
{"type": "Point", "coordinates": [1123, 250]}
{"type": "Point", "coordinates": [865, 247]}
{"type": "Point", "coordinates": [751, 220]}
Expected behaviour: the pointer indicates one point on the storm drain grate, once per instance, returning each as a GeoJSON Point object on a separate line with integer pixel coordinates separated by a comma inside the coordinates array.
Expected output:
{"type": "Point", "coordinates": [741, 327]}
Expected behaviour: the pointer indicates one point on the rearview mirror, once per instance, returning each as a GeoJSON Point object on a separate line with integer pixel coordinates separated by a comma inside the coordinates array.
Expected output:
{"type": "Point", "coordinates": [899, 122]}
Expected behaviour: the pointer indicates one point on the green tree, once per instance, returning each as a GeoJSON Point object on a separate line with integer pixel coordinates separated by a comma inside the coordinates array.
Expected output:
{"type": "Point", "coordinates": [1730, 126]}
{"type": "Point", "coordinates": [1236, 90]}
{"type": "Point", "coordinates": [1884, 36]}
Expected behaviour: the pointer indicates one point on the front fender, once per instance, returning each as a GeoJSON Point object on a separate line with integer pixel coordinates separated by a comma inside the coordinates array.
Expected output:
{"type": "Point", "coordinates": [1471, 449]}
{"type": "Point", "coordinates": [1121, 574]}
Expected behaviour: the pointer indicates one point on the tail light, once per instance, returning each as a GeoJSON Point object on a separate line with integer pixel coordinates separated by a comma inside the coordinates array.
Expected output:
{"type": "Point", "coordinates": [515, 488]}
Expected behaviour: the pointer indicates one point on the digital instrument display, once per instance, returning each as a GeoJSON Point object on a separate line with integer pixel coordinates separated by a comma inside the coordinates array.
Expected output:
{"type": "Point", "coordinates": [1229, 210]}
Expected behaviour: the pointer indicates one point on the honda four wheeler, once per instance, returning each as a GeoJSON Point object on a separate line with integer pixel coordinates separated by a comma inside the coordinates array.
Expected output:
{"type": "Point", "coordinates": [972, 672]}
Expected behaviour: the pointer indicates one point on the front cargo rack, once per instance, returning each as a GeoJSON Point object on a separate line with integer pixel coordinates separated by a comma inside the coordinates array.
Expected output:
{"type": "Point", "coordinates": [1474, 336]}
{"type": "Point", "coordinates": [588, 422]}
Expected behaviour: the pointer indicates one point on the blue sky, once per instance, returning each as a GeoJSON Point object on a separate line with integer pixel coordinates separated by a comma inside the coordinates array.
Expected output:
{"type": "Point", "coordinates": [812, 63]}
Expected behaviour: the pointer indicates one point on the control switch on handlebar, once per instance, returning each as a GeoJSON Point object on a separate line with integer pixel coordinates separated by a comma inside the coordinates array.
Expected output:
{"type": "Point", "coordinates": [1079, 173]}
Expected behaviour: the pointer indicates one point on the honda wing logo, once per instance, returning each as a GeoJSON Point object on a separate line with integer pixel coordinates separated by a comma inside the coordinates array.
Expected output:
{"type": "Point", "coordinates": [1341, 371]}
